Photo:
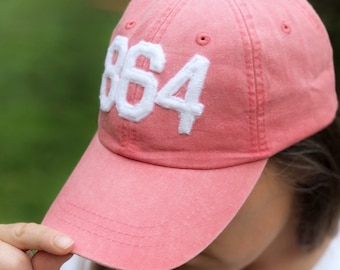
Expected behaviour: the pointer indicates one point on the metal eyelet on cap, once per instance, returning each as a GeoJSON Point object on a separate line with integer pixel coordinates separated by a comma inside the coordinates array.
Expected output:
{"type": "Point", "coordinates": [130, 24]}
{"type": "Point", "coordinates": [285, 27]}
{"type": "Point", "coordinates": [203, 39]}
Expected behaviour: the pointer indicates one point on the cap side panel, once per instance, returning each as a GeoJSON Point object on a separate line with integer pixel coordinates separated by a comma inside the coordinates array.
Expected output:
{"type": "Point", "coordinates": [300, 98]}
{"type": "Point", "coordinates": [256, 89]}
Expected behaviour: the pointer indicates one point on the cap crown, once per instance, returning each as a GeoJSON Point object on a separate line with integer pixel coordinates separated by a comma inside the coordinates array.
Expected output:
{"type": "Point", "coordinates": [211, 84]}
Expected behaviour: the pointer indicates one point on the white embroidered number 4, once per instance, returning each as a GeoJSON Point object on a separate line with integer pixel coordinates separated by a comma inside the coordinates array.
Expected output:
{"type": "Point", "coordinates": [124, 71]}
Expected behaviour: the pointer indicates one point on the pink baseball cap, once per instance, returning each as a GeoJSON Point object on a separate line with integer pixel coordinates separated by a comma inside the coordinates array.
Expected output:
{"type": "Point", "coordinates": [195, 97]}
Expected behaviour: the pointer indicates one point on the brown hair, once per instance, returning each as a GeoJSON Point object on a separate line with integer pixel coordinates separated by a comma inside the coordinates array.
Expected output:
{"type": "Point", "coordinates": [312, 166]}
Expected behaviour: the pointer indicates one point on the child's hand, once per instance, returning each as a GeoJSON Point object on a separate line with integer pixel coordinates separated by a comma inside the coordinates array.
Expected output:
{"type": "Point", "coordinates": [19, 241]}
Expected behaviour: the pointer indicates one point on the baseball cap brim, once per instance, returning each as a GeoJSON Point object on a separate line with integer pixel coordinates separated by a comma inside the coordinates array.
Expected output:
{"type": "Point", "coordinates": [130, 215]}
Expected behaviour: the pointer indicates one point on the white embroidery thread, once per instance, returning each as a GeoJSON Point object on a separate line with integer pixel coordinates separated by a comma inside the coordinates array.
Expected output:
{"type": "Point", "coordinates": [147, 80]}
{"type": "Point", "coordinates": [124, 71]}
{"type": "Point", "coordinates": [112, 72]}
{"type": "Point", "coordinates": [188, 108]}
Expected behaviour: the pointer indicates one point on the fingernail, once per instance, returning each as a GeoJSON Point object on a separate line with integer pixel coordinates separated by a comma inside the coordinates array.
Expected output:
{"type": "Point", "coordinates": [63, 242]}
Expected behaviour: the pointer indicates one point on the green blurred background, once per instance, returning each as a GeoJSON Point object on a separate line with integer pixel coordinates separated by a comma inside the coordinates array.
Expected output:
{"type": "Point", "coordinates": [51, 60]}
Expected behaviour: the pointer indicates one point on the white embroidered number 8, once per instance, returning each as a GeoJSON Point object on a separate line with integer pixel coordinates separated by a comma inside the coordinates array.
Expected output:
{"type": "Point", "coordinates": [124, 72]}
{"type": "Point", "coordinates": [112, 72]}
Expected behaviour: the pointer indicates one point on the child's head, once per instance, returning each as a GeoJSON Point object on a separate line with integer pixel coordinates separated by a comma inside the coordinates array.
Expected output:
{"type": "Point", "coordinates": [197, 100]}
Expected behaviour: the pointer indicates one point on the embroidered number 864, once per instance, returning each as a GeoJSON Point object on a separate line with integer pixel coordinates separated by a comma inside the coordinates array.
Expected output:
{"type": "Point", "coordinates": [124, 71]}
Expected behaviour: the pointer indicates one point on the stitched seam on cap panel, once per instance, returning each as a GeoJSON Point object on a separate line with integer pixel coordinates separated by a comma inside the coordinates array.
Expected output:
{"type": "Point", "coordinates": [160, 24]}
{"type": "Point", "coordinates": [258, 72]}
{"type": "Point", "coordinates": [170, 17]}
{"type": "Point", "coordinates": [120, 125]}
{"type": "Point", "coordinates": [253, 52]}
{"type": "Point", "coordinates": [249, 77]}
{"type": "Point", "coordinates": [62, 218]}
{"type": "Point", "coordinates": [127, 243]}
{"type": "Point", "coordinates": [84, 210]}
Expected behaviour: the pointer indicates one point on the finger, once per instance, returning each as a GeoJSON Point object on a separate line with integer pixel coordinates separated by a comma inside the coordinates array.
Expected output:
{"type": "Point", "coordinates": [12, 258]}
{"type": "Point", "coordinates": [43, 261]}
{"type": "Point", "coordinates": [35, 236]}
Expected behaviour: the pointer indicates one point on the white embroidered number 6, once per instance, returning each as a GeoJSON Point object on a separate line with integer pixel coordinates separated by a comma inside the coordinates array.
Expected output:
{"type": "Point", "coordinates": [147, 80]}
{"type": "Point", "coordinates": [124, 72]}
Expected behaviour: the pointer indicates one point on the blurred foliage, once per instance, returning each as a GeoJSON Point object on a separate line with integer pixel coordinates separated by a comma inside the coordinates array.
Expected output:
{"type": "Point", "coordinates": [51, 60]}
